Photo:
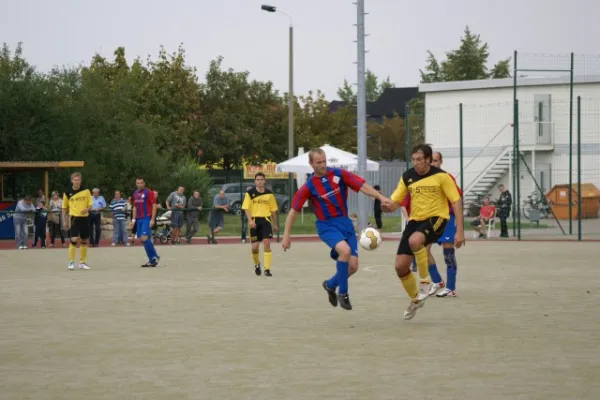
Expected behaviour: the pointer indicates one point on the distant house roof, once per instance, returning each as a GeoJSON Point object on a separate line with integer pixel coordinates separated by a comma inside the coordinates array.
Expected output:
{"type": "Point", "coordinates": [507, 82]}
{"type": "Point", "coordinates": [392, 100]}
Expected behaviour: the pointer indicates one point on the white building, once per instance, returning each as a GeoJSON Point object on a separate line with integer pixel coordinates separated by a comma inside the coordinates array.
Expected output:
{"type": "Point", "coordinates": [488, 131]}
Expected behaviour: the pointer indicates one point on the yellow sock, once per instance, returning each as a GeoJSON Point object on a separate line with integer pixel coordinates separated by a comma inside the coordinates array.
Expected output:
{"type": "Point", "coordinates": [83, 252]}
{"type": "Point", "coordinates": [255, 258]}
{"type": "Point", "coordinates": [421, 258]}
{"type": "Point", "coordinates": [410, 285]}
{"type": "Point", "coordinates": [72, 249]}
{"type": "Point", "coordinates": [267, 255]}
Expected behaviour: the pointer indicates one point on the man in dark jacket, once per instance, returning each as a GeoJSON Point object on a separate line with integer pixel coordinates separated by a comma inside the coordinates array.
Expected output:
{"type": "Point", "coordinates": [377, 209]}
{"type": "Point", "coordinates": [504, 206]}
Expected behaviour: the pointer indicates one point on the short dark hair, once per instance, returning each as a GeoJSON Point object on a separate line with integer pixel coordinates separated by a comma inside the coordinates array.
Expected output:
{"type": "Point", "coordinates": [425, 148]}
{"type": "Point", "coordinates": [27, 197]}
{"type": "Point", "coordinates": [260, 174]}
{"type": "Point", "coordinates": [377, 187]}
{"type": "Point", "coordinates": [139, 178]}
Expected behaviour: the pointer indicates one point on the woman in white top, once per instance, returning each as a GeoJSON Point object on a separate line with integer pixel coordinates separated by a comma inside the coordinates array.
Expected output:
{"type": "Point", "coordinates": [54, 220]}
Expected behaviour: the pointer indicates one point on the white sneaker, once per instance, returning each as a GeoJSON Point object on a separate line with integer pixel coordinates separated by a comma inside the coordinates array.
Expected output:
{"type": "Point", "coordinates": [435, 287]}
{"type": "Point", "coordinates": [412, 308]}
{"type": "Point", "coordinates": [71, 265]}
{"type": "Point", "coordinates": [446, 293]}
{"type": "Point", "coordinates": [424, 288]}
{"type": "Point", "coordinates": [83, 266]}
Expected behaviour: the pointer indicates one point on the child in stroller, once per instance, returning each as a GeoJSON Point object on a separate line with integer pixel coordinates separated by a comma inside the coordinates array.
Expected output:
{"type": "Point", "coordinates": [162, 229]}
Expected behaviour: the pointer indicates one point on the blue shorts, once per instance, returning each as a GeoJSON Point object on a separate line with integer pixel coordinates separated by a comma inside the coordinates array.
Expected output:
{"type": "Point", "coordinates": [142, 227]}
{"type": "Point", "coordinates": [333, 231]}
{"type": "Point", "coordinates": [449, 231]}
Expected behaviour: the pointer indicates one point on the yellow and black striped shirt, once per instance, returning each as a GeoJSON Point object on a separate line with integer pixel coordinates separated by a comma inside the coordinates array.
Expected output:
{"type": "Point", "coordinates": [260, 204]}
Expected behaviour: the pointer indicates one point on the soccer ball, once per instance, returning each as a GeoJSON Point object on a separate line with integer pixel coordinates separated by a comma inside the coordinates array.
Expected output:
{"type": "Point", "coordinates": [370, 239]}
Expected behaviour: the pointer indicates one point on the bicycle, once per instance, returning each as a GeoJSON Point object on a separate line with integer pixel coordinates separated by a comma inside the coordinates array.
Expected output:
{"type": "Point", "coordinates": [536, 203]}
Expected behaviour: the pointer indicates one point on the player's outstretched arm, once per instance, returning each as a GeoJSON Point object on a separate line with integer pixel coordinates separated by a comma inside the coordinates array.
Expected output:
{"type": "Point", "coordinates": [289, 221]}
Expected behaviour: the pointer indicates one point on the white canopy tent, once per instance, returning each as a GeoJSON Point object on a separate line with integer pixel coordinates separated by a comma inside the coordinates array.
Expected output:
{"type": "Point", "coordinates": [335, 158]}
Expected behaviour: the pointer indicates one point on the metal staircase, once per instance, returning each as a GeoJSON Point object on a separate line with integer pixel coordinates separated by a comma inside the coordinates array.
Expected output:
{"type": "Point", "coordinates": [490, 175]}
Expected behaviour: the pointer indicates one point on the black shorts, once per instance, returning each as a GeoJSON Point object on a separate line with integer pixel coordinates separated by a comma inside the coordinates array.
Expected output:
{"type": "Point", "coordinates": [263, 230]}
{"type": "Point", "coordinates": [79, 227]}
{"type": "Point", "coordinates": [432, 228]}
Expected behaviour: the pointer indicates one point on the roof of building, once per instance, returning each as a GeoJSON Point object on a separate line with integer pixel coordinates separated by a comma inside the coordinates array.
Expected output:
{"type": "Point", "coordinates": [507, 82]}
{"type": "Point", "coordinates": [391, 101]}
{"type": "Point", "coordinates": [11, 166]}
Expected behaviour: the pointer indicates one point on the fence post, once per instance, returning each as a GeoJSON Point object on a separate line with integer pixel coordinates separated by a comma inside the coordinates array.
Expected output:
{"type": "Point", "coordinates": [460, 141]}
{"type": "Point", "coordinates": [279, 225]}
{"type": "Point", "coordinates": [515, 158]}
{"type": "Point", "coordinates": [579, 216]}
{"type": "Point", "coordinates": [571, 147]}
{"type": "Point", "coordinates": [517, 170]}
{"type": "Point", "coordinates": [406, 137]}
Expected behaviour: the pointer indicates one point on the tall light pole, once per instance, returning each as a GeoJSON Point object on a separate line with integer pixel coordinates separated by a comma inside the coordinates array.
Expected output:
{"type": "Point", "coordinates": [361, 109]}
{"type": "Point", "coordinates": [269, 8]}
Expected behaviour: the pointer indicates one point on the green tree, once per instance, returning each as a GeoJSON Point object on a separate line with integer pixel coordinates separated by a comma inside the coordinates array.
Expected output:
{"type": "Point", "coordinates": [241, 118]}
{"type": "Point", "coordinates": [373, 88]}
{"type": "Point", "coordinates": [467, 62]}
{"type": "Point", "coordinates": [187, 173]}
{"type": "Point", "coordinates": [386, 139]}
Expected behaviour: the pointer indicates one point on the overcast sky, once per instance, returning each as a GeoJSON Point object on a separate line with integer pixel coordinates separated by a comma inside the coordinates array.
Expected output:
{"type": "Point", "coordinates": [59, 32]}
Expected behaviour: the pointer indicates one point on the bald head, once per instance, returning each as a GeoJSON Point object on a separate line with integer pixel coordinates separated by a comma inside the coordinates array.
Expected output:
{"type": "Point", "coordinates": [436, 159]}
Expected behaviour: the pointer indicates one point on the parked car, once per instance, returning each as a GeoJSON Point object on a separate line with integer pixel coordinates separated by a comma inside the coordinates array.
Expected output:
{"type": "Point", "coordinates": [235, 197]}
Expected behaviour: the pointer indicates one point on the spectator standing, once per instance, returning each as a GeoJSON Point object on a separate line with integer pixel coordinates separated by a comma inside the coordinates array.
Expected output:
{"type": "Point", "coordinates": [95, 218]}
{"type": "Point", "coordinates": [40, 222]}
{"type": "Point", "coordinates": [194, 206]}
{"type": "Point", "coordinates": [117, 208]}
{"type": "Point", "coordinates": [54, 220]}
{"type": "Point", "coordinates": [377, 209]}
{"type": "Point", "coordinates": [216, 220]}
{"type": "Point", "coordinates": [176, 203]}
{"type": "Point", "coordinates": [504, 206]}
{"type": "Point", "coordinates": [23, 210]}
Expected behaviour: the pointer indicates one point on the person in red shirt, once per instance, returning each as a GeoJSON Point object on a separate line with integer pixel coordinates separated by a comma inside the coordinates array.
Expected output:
{"type": "Point", "coordinates": [487, 212]}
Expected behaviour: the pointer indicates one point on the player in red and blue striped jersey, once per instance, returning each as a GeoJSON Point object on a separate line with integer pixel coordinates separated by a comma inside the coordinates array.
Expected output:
{"type": "Point", "coordinates": [448, 289]}
{"type": "Point", "coordinates": [327, 190]}
{"type": "Point", "coordinates": [144, 216]}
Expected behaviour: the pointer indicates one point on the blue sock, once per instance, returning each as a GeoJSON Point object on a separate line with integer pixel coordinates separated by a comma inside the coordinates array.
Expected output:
{"type": "Point", "coordinates": [332, 283]}
{"type": "Point", "coordinates": [435, 274]}
{"type": "Point", "coordinates": [150, 250]}
{"type": "Point", "coordinates": [414, 266]}
{"type": "Point", "coordinates": [342, 276]}
{"type": "Point", "coordinates": [450, 259]}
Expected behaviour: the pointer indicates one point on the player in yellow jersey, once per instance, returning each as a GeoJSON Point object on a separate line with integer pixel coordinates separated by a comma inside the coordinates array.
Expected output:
{"type": "Point", "coordinates": [76, 205]}
{"type": "Point", "coordinates": [260, 207]}
{"type": "Point", "coordinates": [430, 189]}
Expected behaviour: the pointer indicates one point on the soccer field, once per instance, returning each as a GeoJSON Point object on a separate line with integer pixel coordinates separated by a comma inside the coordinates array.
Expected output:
{"type": "Point", "coordinates": [526, 325]}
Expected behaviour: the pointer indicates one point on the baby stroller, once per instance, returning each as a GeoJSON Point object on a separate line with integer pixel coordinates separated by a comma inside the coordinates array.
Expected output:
{"type": "Point", "coordinates": [162, 228]}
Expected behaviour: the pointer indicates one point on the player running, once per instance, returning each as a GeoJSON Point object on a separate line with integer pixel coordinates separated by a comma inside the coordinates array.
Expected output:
{"type": "Point", "coordinates": [327, 190]}
{"type": "Point", "coordinates": [77, 203]}
{"type": "Point", "coordinates": [430, 189]}
{"type": "Point", "coordinates": [446, 241]}
{"type": "Point", "coordinates": [144, 215]}
{"type": "Point", "coordinates": [260, 208]}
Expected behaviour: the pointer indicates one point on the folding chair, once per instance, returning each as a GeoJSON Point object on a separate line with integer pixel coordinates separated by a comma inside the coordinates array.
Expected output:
{"type": "Point", "coordinates": [491, 225]}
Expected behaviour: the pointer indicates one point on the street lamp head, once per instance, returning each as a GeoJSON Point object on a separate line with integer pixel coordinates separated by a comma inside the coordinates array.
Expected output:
{"type": "Point", "coordinates": [268, 8]}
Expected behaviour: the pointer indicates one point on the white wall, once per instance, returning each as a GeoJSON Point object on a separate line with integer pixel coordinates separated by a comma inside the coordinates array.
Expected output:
{"type": "Point", "coordinates": [488, 113]}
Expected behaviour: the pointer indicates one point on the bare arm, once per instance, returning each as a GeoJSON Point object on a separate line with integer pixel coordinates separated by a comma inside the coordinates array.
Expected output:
{"type": "Point", "coordinates": [154, 208]}
{"type": "Point", "coordinates": [275, 220]}
{"type": "Point", "coordinates": [289, 221]}
{"type": "Point", "coordinates": [372, 193]}
{"type": "Point", "coordinates": [458, 215]}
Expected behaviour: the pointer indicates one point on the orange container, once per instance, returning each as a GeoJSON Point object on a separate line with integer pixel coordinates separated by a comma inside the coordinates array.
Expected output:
{"type": "Point", "coordinates": [558, 199]}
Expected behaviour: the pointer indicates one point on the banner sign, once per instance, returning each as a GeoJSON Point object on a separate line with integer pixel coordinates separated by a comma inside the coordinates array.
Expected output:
{"type": "Point", "coordinates": [268, 169]}
{"type": "Point", "coordinates": [7, 227]}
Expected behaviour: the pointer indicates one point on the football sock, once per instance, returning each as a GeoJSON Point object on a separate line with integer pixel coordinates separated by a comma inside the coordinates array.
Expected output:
{"type": "Point", "coordinates": [255, 258]}
{"type": "Point", "coordinates": [72, 249]}
{"type": "Point", "coordinates": [342, 275]}
{"type": "Point", "coordinates": [421, 258]}
{"type": "Point", "coordinates": [452, 268]}
{"type": "Point", "coordinates": [332, 282]}
{"type": "Point", "coordinates": [435, 274]}
{"type": "Point", "coordinates": [150, 250]}
{"type": "Point", "coordinates": [267, 256]}
{"type": "Point", "coordinates": [83, 248]}
{"type": "Point", "coordinates": [410, 285]}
